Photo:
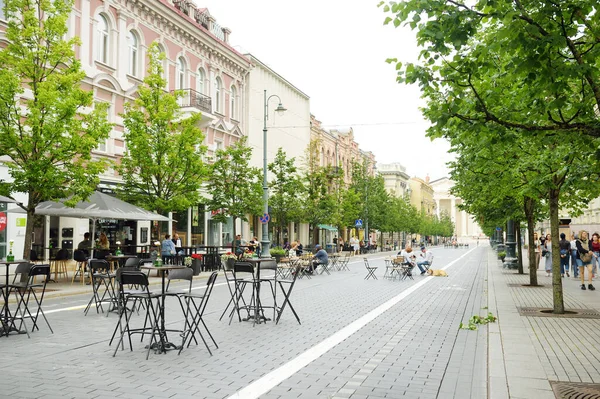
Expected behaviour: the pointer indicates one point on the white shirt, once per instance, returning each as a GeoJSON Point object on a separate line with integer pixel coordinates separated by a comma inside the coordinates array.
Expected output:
{"type": "Point", "coordinates": [408, 257]}
{"type": "Point", "coordinates": [426, 256]}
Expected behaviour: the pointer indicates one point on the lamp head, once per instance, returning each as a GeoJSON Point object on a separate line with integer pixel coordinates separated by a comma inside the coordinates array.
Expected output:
{"type": "Point", "coordinates": [280, 109]}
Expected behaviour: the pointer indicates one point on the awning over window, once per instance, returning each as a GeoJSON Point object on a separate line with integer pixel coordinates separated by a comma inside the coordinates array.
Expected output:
{"type": "Point", "coordinates": [326, 227]}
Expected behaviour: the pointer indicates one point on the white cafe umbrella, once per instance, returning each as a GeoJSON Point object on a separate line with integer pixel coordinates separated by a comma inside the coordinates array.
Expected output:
{"type": "Point", "coordinates": [7, 199]}
{"type": "Point", "coordinates": [98, 206]}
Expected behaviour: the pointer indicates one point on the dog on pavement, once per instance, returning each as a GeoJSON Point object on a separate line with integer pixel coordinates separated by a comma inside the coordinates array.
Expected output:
{"type": "Point", "coordinates": [437, 273]}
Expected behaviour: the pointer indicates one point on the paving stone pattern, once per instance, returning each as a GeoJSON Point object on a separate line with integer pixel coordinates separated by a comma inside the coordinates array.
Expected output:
{"type": "Point", "coordinates": [415, 349]}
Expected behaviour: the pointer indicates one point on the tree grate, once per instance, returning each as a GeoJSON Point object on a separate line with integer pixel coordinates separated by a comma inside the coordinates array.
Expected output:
{"type": "Point", "coordinates": [569, 313]}
{"type": "Point", "coordinates": [523, 285]}
{"type": "Point", "coordinates": [575, 390]}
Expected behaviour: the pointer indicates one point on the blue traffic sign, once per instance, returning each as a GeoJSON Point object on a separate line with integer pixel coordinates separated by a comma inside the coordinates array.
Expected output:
{"type": "Point", "coordinates": [264, 218]}
{"type": "Point", "coordinates": [358, 223]}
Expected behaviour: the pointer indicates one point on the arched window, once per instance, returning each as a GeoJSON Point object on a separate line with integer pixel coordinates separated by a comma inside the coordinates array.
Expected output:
{"type": "Point", "coordinates": [218, 95]}
{"type": "Point", "coordinates": [103, 39]}
{"type": "Point", "coordinates": [180, 80]}
{"type": "Point", "coordinates": [200, 81]}
{"type": "Point", "coordinates": [132, 45]}
{"type": "Point", "coordinates": [233, 103]}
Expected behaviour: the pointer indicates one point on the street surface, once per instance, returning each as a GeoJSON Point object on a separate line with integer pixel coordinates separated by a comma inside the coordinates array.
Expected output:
{"type": "Point", "coordinates": [358, 339]}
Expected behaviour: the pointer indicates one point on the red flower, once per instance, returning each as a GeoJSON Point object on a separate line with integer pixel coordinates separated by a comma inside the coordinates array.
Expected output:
{"type": "Point", "coordinates": [196, 256]}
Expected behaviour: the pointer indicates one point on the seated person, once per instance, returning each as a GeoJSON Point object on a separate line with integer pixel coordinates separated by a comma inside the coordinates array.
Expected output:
{"type": "Point", "coordinates": [167, 249]}
{"type": "Point", "coordinates": [85, 245]}
{"type": "Point", "coordinates": [425, 258]}
{"type": "Point", "coordinates": [177, 242]}
{"type": "Point", "coordinates": [237, 244]}
{"type": "Point", "coordinates": [409, 256]}
{"type": "Point", "coordinates": [320, 258]}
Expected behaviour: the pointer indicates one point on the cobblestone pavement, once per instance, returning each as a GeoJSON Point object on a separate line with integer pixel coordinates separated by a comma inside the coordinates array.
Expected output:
{"type": "Point", "coordinates": [526, 352]}
{"type": "Point", "coordinates": [358, 339]}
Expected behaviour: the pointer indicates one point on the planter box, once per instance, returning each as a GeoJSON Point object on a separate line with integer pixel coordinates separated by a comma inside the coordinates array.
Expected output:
{"type": "Point", "coordinates": [196, 266]}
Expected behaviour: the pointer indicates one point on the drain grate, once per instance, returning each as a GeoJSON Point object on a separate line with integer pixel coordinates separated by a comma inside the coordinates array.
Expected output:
{"type": "Point", "coordinates": [576, 390]}
{"type": "Point", "coordinates": [570, 313]}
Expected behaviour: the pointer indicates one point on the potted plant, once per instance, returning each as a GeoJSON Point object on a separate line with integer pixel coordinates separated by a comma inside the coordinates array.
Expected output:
{"type": "Point", "coordinates": [502, 255]}
{"type": "Point", "coordinates": [227, 260]}
{"type": "Point", "coordinates": [277, 253]}
{"type": "Point", "coordinates": [195, 262]}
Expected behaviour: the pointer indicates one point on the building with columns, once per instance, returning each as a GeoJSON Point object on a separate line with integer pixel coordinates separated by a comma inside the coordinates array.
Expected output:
{"type": "Point", "coordinates": [395, 178]}
{"type": "Point", "coordinates": [466, 228]}
{"type": "Point", "coordinates": [421, 195]}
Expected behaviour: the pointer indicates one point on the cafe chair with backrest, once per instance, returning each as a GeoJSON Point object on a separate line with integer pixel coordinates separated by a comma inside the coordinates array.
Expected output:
{"type": "Point", "coordinates": [243, 274]}
{"type": "Point", "coordinates": [19, 282]}
{"type": "Point", "coordinates": [370, 270]}
{"type": "Point", "coordinates": [25, 291]}
{"type": "Point", "coordinates": [101, 284]}
{"type": "Point", "coordinates": [150, 301]}
{"type": "Point", "coordinates": [195, 307]}
{"type": "Point", "coordinates": [230, 279]}
{"type": "Point", "coordinates": [186, 274]}
{"type": "Point", "coordinates": [81, 258]}
{"type": "Point", "coordinates": [286, 286]}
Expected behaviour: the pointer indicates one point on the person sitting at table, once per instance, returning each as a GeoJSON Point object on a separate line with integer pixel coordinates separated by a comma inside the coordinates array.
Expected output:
{"type": "Point", "coordinates": [299, 248]}
{"type": "Point", "coordinates": [86, 244]}
{"type": "Point", "coordinates": [103, 242]}
{"type": "Point", "coordinates": [177, 242]}
{"type": "Point", "coordinates": [237, 245]}
{"type": "Point", "coordinates": [167, 249]}
{"type": "Point", "coordinates": [320, 258]}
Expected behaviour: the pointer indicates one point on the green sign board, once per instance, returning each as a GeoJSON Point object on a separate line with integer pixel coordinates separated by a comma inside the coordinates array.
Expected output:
{"type": "Point", "coordinates": [21, 222]}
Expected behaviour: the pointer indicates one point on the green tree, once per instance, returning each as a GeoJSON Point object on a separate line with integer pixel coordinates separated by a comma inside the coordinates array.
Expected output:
{"type": "Point", "coordinates": [162, 168]}
{"type": "Point", "coordinates": [544, 54]}
{"type": "Point", "coordinates": [287, 190]}
{"type": "Point", "coordinates": [320, 204]}
{"type": "Point", "coordinates": [48, 124]}
{"type": "Point", "coordinates": [234, 187]}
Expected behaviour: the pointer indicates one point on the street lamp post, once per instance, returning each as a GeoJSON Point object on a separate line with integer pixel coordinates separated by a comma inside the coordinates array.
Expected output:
{"type": "Point", "coordinates": [265, 243]}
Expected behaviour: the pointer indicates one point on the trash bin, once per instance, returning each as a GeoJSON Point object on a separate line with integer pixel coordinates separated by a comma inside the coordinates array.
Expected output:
{"type": "Point", "coordinates": [329, 247]}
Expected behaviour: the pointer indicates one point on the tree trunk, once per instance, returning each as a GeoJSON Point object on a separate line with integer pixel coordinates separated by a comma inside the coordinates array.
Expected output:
{"type": "Point", "coordinates": [234, 234]}
{"type": "Point", "coordinates": [557, 292]}
{"type": "Point", "coordinates": [519, 247]}
{"type": "Point", "coordinates": [529, 208]}
{"type": "Point", "coordinates": [28, 232]}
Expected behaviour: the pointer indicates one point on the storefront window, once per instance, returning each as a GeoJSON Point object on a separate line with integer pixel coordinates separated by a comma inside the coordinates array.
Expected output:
{"type": "Point", "coordinates": [198, 225]}
{"type": "Point", "coordinates": [228, 232]}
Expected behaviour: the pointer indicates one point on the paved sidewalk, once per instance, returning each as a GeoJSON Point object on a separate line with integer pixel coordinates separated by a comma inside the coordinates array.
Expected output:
{"type": "Point", "coordinates": [526, 353]}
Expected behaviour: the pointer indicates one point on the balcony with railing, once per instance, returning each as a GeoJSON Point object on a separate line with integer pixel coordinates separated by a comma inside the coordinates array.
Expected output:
{"type": "Point", "coordinates": [191, 98]}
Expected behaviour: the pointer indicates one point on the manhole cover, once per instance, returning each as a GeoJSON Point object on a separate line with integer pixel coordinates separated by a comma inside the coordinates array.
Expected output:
{"type": "Point", "coordinates": [576, 390]}
{"type": "Point", "coordinates": [569, 313]}
{"type": "Point", "coordinates": [518, 285]}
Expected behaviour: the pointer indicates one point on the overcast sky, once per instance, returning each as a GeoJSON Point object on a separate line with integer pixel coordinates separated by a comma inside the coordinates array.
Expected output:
{"type": "Point", "coordinates": [335, 52]}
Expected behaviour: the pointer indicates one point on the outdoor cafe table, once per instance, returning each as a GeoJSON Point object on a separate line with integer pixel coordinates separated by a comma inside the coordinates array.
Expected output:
{"type": "Point", "coordinates": [258, 315]}
{"type": "Point", "coordinates": [5, 316]}
{"type": "Point", "coordinates": [163, 345]}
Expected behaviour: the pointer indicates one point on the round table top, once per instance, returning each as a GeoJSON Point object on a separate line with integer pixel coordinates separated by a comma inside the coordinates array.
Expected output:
{"type": "Point", "coordinates": [120, 256]}
{"type": "Point", "coordinates": [164, 267]}
{"type": "Point", "coordinates": [12, 262]}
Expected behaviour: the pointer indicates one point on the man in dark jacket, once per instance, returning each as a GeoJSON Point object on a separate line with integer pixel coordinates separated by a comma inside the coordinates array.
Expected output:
{"type": "Point", "coordinates": [564, 248]}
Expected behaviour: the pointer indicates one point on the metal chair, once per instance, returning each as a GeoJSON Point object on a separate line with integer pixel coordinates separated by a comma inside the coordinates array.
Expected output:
{"type": "Point", "coordinates": [24, 291]}
{"type": "Point", "coordinates": [287, 293]}
{"type": "Point", "coordinates": [101, 279]}
{"type": "Point", "coordinates": [370, 270]}
{"type": "Point", "coordinates": [194, 312]}
{"type": "Point", "coordinates": [139, 279]}
{"type": "Point", "coordinates": [81, 258]}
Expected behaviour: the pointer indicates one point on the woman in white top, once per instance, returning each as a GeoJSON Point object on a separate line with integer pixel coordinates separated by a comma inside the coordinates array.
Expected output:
{"type": "Point", "coordinates": [536, 242]}
{"type": "Point", "coordinates": [409, 256]}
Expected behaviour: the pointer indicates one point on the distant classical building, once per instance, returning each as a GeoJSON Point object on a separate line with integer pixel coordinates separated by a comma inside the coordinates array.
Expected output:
{"type": "Point", "coordinates": [465, 226]}
{"type": "Point", "coordinates": [395, 178]}
{"type": "Point", "coordinates": [421, 195]}
{"type": "Point", "coordinates": [337, 148]}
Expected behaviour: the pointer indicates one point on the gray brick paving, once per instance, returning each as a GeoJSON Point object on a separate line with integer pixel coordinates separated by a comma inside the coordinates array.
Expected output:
{"type": "Point", "coordinates": [413, 350]}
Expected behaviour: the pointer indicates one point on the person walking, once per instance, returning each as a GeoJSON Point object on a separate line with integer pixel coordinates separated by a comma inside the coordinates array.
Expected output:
{"type": "Point", "coordinates": [595, 248]}
{"type": "Point", "coordinates": [536, 244]}
{"type": "Point", "coordinates": [584, 259]}
{"type": "Point", "coordinates": [574, 266]}
{"type": "Point", "coordinates": [564, 247]}
{"type": "Point", "coordinates": [547, 255]}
